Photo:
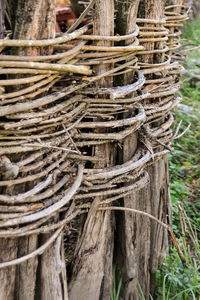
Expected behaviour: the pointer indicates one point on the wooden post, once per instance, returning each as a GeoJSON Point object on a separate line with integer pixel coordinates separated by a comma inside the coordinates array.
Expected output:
{"type": "Point", "coordinates": [141, 243]}
{"type": "Point", "coordinates": [133, 232]}
{"type": "Point", "coordinates": [158, 171]}
{"type": "Point", "coordinates": [92, 271]}
{"type": "Point", "coordinates": [39, 277]}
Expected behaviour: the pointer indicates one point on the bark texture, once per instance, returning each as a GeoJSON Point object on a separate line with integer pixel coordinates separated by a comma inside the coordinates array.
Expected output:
{"type": "Point", "coordinates": [133, 237]}
{"type": "Point", "coordinates": [141, 243]}
{"type": "Point", "coordinates": [39, 277]}
{"type": "Point", "coordinates": [158, 171]}
{"type": "Point", "coordinates": [92, 270]}
{"type": "Point", "coordinates": [136, 244]}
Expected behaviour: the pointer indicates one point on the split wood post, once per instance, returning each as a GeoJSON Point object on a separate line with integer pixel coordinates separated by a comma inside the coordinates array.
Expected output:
{"type": "Point", "coordinates": [158, 171]}
{"type": "Point", "coordinates": [92, 270]}
{"type": "Point", "coordinates": [39, 277]}
{"type": "Point", "coordinates": [133, 231]}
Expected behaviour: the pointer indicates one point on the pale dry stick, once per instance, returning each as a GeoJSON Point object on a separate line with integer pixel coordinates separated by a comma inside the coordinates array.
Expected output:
{"type": "Point", "coordinates": [128, 70]}
{"type": "Point", "coordinates": [26, 71]}
{"type": "Point", "coordinates": [158, 87]}
{"type": "Point", "coordinates": [116, 38]}
{"type": "Point", "coordinates": [38, 251]}
{"type": "Point", "coordinates": [78, 157]}
{"type": "Point", "coordinates": [182, 133]}
{"type": "Point", "coordinates": [71, 139]}
{"type": "Point", "coordinates": [43, 43]}
{"type": "Point", "coordinates": [48, 211]}
{"type": "Point", "coordinates": [121, 92]}
{"type": "Point", "coordinates": [82, 16]}
{"type": "Point", "coordinates": [160, 69]}
{"type": "Point", "coordinates": [163, 127]}
{"type": "Point", "coordinates": [164, 50]}
{"type": "Point", "coordinates": [51, 142]}
{"type": "Point", "coordinates": [137, 212]}
{"type": "Point", "coordinates": [10, 215]}
{"type": "Point", "coordinates": [175, 6]}
{"type": "Point", "coordinates": [5, 110]}
{"type": "Point", "coordinates": [79, 69]}
{"type": "Point", "coordinates": [40, 121]}
{"type": "Point", "coordinates": [72, 51]}
{"type": "Point", "coordinates": [171, 91]}
{"type": "Point", "coordinates": [39, 164]}
{"type": "Point", "coordinates": [92, 143]}
{"type": "Point", "coordinates": [136, 186]}
{"type": "Point", "coordinates": [147, 28]}
{"type": "Point", "coordinates": [103, 48]}
{"type": "Point", "coordinates": [35, 190]}
{"type": "Point", "coordinates": [154, 40]}
{"type": "Point", "coordinates": [98, 55]}
{"type": "Point", "coordinates": [111, 136]}
{"type": "Point", "coordinates": [48, 125]}
{"type": "Point", "coordinates": [113, 124]}
{"type": "Point", "coordinates": [20, 208]}
{"type": "Point", "coordinates": [122, 101]}
{"type": "Point", "coordinates": [120, 169]}
{"type": "Point", "coordinates": [51, 79]}
{"type": "Point", "coordinates": [169, 79]}
{"type": "Point", "coordinates": [112, 184]}
{"type": "Point", "coordinates": [158, 103]}
{"type": "Point", "coordinates": [48, 111]}
{"type": "Point", "coordinates": [151, 21]}
{"type": "Point", "coordinates": [169, 229]}
{"type": "Point", "coordinates": [177, 18]}
{"type": "Point", "coordinates": [36, 86]}
{"type": "Point", "coordinates": [52, 98]}
{"type": "Point", "coordinates": [13, 143]}
{"type": "Point", "coordinates": [32, 157]}
{"type": "Point", "coordinates": [20, 81]}
{"type": "Point", "coordinates": [41, 145]}
{"type": "Point", "coordinates": [105, 56]}
{"type": "Point", "coordinates": [166, 107]}
{"type": "Point", "coordinates": [34, 176]}
{"type": "Point", "coordinates": [153, 33]}
{"type": "Point", "coordinates": [46, 194]}
{"type": "Point", "coordinates": [149, 65]}
{"type": "Point", "coordinates": [190, 49]}
{"type": "Point", "coordinates": [39, 136]}
{"type": "Point", "coordinates": [114, 191]}
{"type": "Point", "coordinates": [111, 60]}
{"type": "Point", "coordinates": [29, 230]}
{"type": "Point", "coordinates": [135, 157]}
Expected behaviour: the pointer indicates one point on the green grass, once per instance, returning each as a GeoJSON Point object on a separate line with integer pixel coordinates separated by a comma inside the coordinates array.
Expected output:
{"type": "Point", "coordinates": [174, 280]}
{"type": "Point", "coordinates": [117, 284]}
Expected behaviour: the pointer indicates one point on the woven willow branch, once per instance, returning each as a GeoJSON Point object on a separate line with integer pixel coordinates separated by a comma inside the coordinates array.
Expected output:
{"type": "Point", "coordinates": [49, 122]}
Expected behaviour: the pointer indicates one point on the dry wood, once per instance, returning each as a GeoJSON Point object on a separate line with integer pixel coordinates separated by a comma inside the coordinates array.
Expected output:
{"type": "Point", "coordinates": [92, 271]}
{"type": "Point", "coordinates": [40, 136]}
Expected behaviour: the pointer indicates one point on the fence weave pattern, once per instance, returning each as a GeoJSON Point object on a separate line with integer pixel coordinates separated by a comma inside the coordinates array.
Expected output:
{"type": "Point", "coordinates": [52, 118]}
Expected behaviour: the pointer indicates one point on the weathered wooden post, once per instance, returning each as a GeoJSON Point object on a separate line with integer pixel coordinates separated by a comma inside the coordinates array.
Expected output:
{"type": "Point", "coordinates": [92, 270]}
{"type": "Point", "coordinates": [39, 277]}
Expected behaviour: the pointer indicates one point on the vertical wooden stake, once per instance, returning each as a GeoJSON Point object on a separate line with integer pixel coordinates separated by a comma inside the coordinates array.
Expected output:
{"type": "Point", "coordinates": [92, 272]}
